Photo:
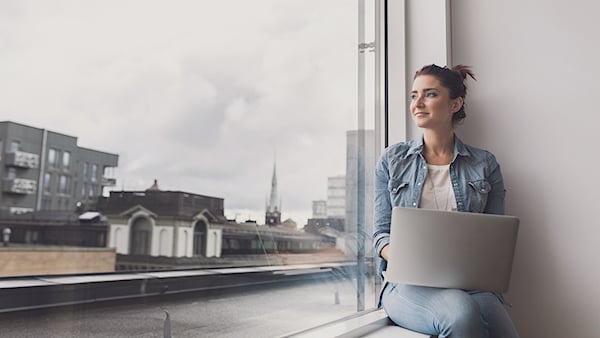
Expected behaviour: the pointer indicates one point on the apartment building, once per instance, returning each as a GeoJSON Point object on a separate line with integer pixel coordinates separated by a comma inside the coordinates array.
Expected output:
{"type": "Point", "coordinates": [46, 170]}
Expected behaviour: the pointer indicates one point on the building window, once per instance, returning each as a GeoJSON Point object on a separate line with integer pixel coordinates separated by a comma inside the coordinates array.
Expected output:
{"type": "Point", "coordinates": [52, 157]}
{"type": "Point", "coordinates": [94, 172]}
{"type": "Point", "coordinates": [200, 230]}
{"type": "Point", "coordinates": [46, 203]}
{"type": "Point", "coordinates": [14, 146]}
{"type": "Point", "coordinates": [31, 236]}
{"type": "Point", "coordinates": [62, 184]}
{"type": "Point", "coordinates": [141, 235]}
{"type": "Point", "coordinates": [85, 169]}
{"type": "Point", "coordinates": [66, 159]}
{"type": "Point", "coordinates": [47, 181]}
{"type": "Point", "coordinates": [11, 173]}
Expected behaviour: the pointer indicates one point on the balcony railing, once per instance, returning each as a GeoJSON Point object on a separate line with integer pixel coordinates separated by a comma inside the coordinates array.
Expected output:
{"type": "Point", "coordinates": [21, 186]}
{"type": "Point", "coordinates": [108, 182]}
{"type": "Point", "coordinates": [22, 159]}
{"type": "Point", "coordinates": [19, 211]}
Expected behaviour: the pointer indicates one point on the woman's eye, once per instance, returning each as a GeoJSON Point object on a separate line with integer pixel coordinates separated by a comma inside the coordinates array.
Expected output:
{"type": "Point", "coordinates": [431, 94]}
{"type": "Point", "coordinates": [413, 96]}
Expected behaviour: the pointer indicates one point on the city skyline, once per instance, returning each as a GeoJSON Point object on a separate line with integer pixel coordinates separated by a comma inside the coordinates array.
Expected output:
{"type": "Point", "coordinates": [193, 95]}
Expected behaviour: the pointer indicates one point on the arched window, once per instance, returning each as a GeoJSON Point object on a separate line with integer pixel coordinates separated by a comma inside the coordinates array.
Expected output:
{"type": "Point", "coordinates": [141, 236]}
{"type": "Point", "coordinates": [200, 229]}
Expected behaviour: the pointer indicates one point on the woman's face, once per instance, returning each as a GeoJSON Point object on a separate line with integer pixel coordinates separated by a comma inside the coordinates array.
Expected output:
{"type": "Point", "coordinates": [430, 104]}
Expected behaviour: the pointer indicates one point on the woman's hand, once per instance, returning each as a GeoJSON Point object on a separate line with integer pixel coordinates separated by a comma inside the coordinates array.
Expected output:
{"type": "Point", "coordinates": [384, 252]}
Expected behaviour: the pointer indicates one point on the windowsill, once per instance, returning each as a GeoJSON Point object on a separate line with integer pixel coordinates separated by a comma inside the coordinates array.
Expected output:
{"type": "Point", "coordinates": [370, 323]}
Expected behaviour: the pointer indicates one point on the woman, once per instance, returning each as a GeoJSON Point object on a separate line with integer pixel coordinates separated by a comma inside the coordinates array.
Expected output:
{"type": "Point", "coordinates": [438, 171]}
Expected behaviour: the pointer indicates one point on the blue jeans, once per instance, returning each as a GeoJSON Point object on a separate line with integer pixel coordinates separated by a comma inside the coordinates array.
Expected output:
{"type": "Point", "coordinates": [447, 312]}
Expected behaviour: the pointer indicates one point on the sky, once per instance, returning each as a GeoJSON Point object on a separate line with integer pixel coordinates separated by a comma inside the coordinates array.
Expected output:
{"type": "Point", "coordinates": [204, 96]}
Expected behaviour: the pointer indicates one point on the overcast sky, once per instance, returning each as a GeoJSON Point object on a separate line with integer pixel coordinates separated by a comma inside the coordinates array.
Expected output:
{"type": "Point", "coordinates": [201, 95]}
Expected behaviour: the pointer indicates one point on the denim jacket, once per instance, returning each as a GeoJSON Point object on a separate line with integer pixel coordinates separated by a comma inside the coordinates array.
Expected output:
{"type": "Point", "coordinates": [400, 174]}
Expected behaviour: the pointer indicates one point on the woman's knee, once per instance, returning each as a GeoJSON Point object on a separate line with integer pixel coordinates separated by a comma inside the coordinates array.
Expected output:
{"type": "Point", "coordinates": [458, 313]}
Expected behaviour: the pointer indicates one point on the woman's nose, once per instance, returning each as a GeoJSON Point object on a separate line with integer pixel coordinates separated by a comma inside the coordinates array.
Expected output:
{"type": "Point", "coordinates": [419, 101]}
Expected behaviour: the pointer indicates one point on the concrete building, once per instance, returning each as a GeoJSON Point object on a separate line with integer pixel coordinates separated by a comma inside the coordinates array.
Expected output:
{"type": "Point", "coordinates": [164, 223]}
{"type": "Point", "coordinates": [336, 196]}
{"type": "Point", "coordinates": [178, 228]}
{"type": "Point", "coordinates": [45, 170]}
{"type": "Point", "coordinates": [319, 209]}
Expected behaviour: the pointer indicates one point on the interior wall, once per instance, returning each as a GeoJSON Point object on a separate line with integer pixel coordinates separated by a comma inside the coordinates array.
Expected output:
{"type": "Point", "coordinates": [535, 105]}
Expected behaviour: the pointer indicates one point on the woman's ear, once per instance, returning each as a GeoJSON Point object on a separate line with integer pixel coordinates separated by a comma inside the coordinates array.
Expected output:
{"type": "Point", "coordinates": [457, 104]}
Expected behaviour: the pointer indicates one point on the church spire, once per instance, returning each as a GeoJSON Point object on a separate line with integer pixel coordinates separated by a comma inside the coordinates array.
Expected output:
{"type": "Point", "coordinates": [273, 197]}
{"type": "Point", "coordinates": [273, 212]}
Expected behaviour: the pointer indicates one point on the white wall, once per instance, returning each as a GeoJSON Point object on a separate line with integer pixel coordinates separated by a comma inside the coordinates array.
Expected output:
{"type": "Point", "coordinates": [534, 106]}
{"type": "Point", "coordinates": [119, 238]}
{"type": "Point", "coordinates": [213, 242]}
{"type": "Point", "coordinates": [184, 242]}
{"type": "Point", "coordinates": [162, 241]}
{"type": "Point", "coordinates": [418, 34]}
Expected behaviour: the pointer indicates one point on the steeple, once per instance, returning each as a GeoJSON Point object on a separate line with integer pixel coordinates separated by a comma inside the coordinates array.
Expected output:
{"type": "Point", "coordinates": [273, 209]}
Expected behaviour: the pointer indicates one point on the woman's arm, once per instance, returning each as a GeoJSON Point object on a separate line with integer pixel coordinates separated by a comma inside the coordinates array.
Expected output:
{"type": "Point", "coordinates": [382, 210]}
{"type": "Point", "coordinates": [496, 196]}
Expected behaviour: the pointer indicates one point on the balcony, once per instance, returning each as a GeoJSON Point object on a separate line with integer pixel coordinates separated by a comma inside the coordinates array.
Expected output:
{"type": "Point", "coordinates": [19, 211]}
{"type": "Point", "coordinates": [22, 159]}
{"type": "Point", "coordinates": [20, 186]}
{"type": "Point", "coordinates": [108, 182]}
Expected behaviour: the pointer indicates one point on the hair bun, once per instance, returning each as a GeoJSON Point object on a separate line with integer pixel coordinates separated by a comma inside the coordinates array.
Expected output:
{"type": "Point", "coordinates": [464, 71]}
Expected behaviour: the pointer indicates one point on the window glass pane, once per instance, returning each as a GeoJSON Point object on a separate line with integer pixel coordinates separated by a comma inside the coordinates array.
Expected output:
{"type": "Point", "coordinates": [94, 172]}
{"type": "Point", "coordinates": [14, 146]}
{"type": "Point", "coordinates": [11, 173]}
{"type": "Point", "coordinates": [51, 156]}
{"type": "Point", "coordinates": [231, 120]}
{"type": "Point", "coordinates": [66, 159]}
{"type": "Point", "coordinates": [62, 184]}
{"type": "Point", "coordinates": [47, 178]}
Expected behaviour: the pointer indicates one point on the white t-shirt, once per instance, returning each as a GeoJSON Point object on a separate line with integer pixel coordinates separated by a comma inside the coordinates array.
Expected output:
{"type": "Point", "coordinates": [437, 190]}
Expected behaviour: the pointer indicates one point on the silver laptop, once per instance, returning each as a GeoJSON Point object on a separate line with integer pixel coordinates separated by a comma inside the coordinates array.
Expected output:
{"type": "Point", "coordinates": [448, 249]}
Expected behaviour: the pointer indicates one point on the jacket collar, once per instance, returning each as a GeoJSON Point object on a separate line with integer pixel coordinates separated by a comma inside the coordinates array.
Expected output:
{"type": "Point", "coordinates": [459, 147]}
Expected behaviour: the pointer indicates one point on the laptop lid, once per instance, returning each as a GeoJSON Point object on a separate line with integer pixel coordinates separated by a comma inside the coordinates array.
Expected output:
{"type": "Point", "coordinates": [448, 249]}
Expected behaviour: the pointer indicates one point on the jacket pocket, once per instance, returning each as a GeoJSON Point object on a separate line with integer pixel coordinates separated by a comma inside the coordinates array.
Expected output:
{"type": "Point", "coordinates": [477, 197]}
{"type": "Point", "coordinates": [398, 192]}
{"type": "Point", "coordinates": [396, 186]}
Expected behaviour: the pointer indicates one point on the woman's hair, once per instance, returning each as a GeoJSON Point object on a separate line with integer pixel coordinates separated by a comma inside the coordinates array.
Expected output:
{"type": "Point", "coordinates": [454, 80]}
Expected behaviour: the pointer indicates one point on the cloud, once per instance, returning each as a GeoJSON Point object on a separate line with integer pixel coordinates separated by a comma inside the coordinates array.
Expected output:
{"type": "Point", "coordinates": [204, 96]}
